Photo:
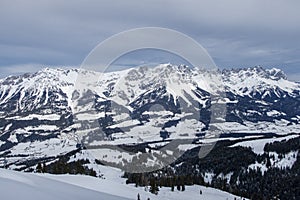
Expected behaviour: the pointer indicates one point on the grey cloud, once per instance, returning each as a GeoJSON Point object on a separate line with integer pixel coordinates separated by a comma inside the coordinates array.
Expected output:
{"type": "Point", "coordinates": [234, 32]}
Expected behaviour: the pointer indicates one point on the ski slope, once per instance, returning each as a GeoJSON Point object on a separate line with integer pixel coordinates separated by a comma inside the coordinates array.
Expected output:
{"type": "Point", "coordinates": [29, 186]}
{"type": "Point", "coordinates": [17, 185]}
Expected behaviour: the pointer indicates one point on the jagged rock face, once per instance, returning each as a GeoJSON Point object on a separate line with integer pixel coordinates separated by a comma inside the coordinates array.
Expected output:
{"type": "Point", "coordinates": [261, 95]}
{"type": "Point", "coordinates": [45, 114]}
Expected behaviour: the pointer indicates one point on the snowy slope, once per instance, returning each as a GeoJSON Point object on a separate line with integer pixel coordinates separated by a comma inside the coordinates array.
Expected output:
{"type": "Point", "coordinates": [17, 185]}
{"type": "Point", "coordinates": [258, 145]}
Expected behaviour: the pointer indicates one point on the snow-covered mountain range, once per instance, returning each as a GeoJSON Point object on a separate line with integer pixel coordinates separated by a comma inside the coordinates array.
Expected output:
{"type": "Point", "coordinates": [55, 111]}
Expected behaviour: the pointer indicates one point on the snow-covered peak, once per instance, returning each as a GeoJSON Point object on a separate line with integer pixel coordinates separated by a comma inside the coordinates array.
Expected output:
{"type": "Point", "coordinates": [177, 80]}
{"type": "Point", "coordinates": [276, 74]}
{"type": "Point", "coordinates": [125, 86]}
{"type": "Point", "coordinates": [247, 81]}
{"type": "Point", "coordinates": [49, 76]}
{"type": "Point", "coordinates": [257, 71]}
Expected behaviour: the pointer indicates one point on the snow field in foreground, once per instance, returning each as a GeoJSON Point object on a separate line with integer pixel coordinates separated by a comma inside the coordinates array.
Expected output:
{"type": "Point", "coordinates": [29, 186]}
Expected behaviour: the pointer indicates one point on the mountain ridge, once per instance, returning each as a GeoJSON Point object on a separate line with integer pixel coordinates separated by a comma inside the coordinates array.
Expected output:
{"type": "Point", "coordinates": [46, 110]}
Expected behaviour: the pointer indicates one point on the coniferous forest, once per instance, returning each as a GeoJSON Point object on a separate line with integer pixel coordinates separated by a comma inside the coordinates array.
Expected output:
{"type": "Point", "coordinates": [253, 183]}
{"type": "Point", "coordinates": [225, 167]}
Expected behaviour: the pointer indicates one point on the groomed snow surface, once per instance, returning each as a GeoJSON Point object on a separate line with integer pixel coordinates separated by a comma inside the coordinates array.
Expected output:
{"type": "Point", "coordinates": [29, 186]}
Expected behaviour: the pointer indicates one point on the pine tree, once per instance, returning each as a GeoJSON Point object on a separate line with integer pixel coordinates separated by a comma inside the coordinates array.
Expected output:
{"type": "Point", "coordinates": [138, 196]}
{"type": "Point", "coordinates": [268, 164]}
{"type": "Point", "coordinates": [183, 187]}
{"type": "Point", "coordinates": [44, 168]}
{"type": "Point", "coordinates": [153, 186]}
{"type": "Point", "coordinates": [39, 168]}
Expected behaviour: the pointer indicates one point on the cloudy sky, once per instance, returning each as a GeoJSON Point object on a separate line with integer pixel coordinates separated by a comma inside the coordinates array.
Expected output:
{"type": "Point", "coordinates": [235, 33]}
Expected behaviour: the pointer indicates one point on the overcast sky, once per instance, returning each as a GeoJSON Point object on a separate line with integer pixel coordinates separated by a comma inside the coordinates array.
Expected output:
{"type": "Point", "coordinates": [236, 33]}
